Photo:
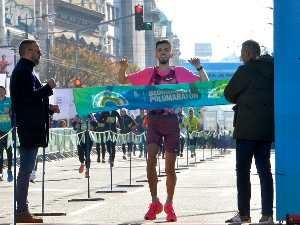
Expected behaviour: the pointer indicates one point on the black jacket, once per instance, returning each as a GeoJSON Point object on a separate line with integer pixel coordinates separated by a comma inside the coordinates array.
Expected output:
{"type": "Point", "coordinates": [115, 115]}
{"type": "Point", "coordinates": [124, 122]}
{"type": "Point", "coordinates": [252, 90]}
{"type": "Point", "coordinates": [30, 103]}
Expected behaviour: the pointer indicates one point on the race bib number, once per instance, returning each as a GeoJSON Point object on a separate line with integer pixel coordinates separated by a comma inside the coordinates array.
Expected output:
{"type": "Point", "coordinates": [112, 119]}
{"type": "Point", "coordinates": [83, 126]}
{"type": "Point", "coordinates": [101, 124]}
{"type": "Point", "coordinates": [4, 118]}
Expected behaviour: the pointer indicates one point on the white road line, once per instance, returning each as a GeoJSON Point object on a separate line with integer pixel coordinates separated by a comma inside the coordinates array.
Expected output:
{"type": "Point", "coordinates": [65, 172]}
{"type": "Point", "coordinates": [224, 193]}
{"type": "Point", "coordinates": [228, 192]}
{"type": "Point", "coordinates": [61, 192]}
{"type": "Point", "coordinates": [54, 190]}
{"type": "Point", "coordinates": [86, 209]}
{"type": "Point", "coordinates": [136, 191]}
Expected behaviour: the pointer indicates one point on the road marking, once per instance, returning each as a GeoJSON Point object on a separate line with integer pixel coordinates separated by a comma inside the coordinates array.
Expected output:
{"type": "Point", "coordinates": [136, 191]}
{"type": "Point", "coordinates": [61, 192]}
{"type": "Point", "coordinates": [86, 209]}
{"type": "Point", "coordinates": [65, 172]}
{"type": "Point", "coordinates": [228, 192]}
{"type": "Point", "coordinates": [224, 193]}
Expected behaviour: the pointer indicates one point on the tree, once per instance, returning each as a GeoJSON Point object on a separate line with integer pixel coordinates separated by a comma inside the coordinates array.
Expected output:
{"type": "Point", "coordinates": [132, 68]}
{"type": "Point", "coordinates": [93, 69]}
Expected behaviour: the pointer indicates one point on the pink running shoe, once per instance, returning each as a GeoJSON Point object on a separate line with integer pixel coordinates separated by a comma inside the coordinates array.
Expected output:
{"type": "Point", "coordinates": [171, 216]}
{"type": "Point", "coordinates": [154, 209]}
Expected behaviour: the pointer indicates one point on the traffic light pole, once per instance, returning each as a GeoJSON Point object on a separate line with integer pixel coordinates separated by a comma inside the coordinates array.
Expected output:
{"type": "Point", "coordinates": [48, 58]}
{"type": "Point", "coordinates": [77, 31]}
{"type": "Point", "coordinates": [32, 18]}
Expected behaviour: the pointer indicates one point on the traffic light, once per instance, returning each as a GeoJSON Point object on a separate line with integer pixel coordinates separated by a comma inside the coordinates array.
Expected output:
{"type": "Point", "coordinates": [77, 83]}
{"type": "Point", "coordinates": [147, 26]}
{"type": "Point", "coordinates": [139, 17]}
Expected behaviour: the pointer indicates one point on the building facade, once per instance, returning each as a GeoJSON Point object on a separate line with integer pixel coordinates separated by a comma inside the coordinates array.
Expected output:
{"type": "Point", "coordinates": [54, 21]}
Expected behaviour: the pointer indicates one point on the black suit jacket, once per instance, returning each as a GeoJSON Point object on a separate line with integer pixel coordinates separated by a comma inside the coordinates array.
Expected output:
{"type": "Point", "coordinates": [30, 104]}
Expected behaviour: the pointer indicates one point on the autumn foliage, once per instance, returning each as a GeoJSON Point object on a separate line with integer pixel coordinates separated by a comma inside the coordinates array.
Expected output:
{"type": "Point", "coordinates": [94, 70]}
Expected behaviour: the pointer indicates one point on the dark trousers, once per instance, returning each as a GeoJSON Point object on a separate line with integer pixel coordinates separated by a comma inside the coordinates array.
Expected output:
{"type": "Point", "coordinates": [3, 145]}
{"type": "Point", "coordinates": [27, 162]}
{"type": "Point", "coordinates": [181, 146]}
{"type": "Point", "coordinates": [245, 150]}
{"type": "Point", "coordinates": [103, 150]}
{"type": "Point", "coordinates": [111, 148]}
{"type": "Point", "coordinates": [83, 155]}
{"type": "Point", "coordinates": [124, 148]}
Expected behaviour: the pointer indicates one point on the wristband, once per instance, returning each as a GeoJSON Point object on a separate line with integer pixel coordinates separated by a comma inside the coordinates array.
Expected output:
{"type": "Point", "coordinates": [200, 68]}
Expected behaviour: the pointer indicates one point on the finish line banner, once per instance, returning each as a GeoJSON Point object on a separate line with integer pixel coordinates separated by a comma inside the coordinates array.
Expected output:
{"type": "Point", "coordinates": [106, 98]}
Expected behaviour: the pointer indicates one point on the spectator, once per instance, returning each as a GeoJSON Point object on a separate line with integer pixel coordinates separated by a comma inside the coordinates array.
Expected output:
{"type": "Point", "coordinates": [5, 127]}
{"type": "Point", "coordinates": [63, 124]}
{"type": "Point", "coordinates": [30, 104]}
{"type": "Point", "coordinates": [140, 128]}
{"type": "Point", "coordinates": [252, 90]}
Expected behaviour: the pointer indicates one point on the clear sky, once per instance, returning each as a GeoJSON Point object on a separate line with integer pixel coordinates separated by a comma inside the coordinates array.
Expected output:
{"type": "Point", "coordinates": [224, 23]}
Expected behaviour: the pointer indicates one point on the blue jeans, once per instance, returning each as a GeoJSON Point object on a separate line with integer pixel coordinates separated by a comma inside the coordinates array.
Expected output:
{"type": "Point", "coordinates": [27, 162]}
{"type": "Point", "coordinates": [142, 144]}
{"type": "Point", "coordinates": [245, 150]}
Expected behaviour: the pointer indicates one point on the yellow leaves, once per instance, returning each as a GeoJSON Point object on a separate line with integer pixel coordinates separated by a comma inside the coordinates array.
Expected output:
{"type": "Point", "coordinates": [93, 69]}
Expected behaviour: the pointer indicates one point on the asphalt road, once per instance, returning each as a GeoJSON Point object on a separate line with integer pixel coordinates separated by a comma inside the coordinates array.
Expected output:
{"type": "Point", "coordinates": [205, 192]}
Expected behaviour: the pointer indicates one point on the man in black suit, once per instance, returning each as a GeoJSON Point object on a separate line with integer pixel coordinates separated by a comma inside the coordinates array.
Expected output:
{"type": "Point", "coordinates": [30, 104]}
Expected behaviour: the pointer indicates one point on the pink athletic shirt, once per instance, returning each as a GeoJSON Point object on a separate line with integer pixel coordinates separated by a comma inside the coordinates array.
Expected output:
{"type": "Point", "coordinates": [182, 75]}
{"type": "Point", "coordinates": [143, 77]}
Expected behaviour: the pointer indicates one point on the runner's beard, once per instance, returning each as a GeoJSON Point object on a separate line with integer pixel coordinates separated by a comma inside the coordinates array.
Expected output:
{"type": "Point", "coordinates": [163, 61]}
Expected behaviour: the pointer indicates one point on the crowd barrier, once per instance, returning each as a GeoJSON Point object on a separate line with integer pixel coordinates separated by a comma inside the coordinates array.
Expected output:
{"type": "Point", "coordinates": [66, 139]}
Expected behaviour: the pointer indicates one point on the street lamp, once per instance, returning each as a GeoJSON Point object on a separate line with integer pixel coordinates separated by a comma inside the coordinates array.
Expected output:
{"type": "Point", "coordinates": [31, 18]}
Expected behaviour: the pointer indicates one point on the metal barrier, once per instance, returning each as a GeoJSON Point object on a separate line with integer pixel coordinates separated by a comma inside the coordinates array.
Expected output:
{"type": "Point", "coordinates": [63, 140]}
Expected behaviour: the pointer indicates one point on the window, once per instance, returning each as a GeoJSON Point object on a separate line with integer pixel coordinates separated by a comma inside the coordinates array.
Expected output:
{"type": "Point", "coordinates": [108, 12]}
{"type": "Point", "coordinates": [117, 48]}
{"type": "Point", "coordinates": [117, 16]}
{"type": "Point", "coordinates": [113, 13]}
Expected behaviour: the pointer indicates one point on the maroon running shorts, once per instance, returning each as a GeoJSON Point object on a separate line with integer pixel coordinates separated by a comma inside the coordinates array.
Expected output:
{"type": "Point", "coordinates": [166, 126]}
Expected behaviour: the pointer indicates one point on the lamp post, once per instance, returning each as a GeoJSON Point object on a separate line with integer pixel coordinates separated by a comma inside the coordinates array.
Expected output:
{"type": "Point", "coordinates": [48, 57]}
{"type": "Point", "coordinates": [31, 18]}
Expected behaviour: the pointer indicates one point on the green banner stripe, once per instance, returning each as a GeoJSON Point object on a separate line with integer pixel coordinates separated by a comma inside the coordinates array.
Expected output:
{"type": "Point", "coordinates": [105, 98]}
